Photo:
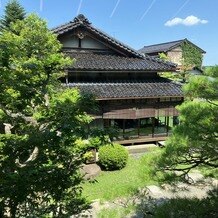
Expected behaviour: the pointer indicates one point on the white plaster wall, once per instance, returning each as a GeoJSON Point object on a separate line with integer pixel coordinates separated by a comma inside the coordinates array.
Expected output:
{"type": "Point", "coordinates": [175, 55]}
{"type": "Point", "coordinates": [86, 42]}
{"type": "Point", "coordinates": [91, 43]}
{"type": "Point", "coordinates": [70, 41]}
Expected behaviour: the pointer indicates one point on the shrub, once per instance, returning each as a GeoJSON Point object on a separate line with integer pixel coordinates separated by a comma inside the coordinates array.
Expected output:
{"type": "Point", "coordinates": [95, 142]}
{"type": "Point", "coordinates": [113, 157]}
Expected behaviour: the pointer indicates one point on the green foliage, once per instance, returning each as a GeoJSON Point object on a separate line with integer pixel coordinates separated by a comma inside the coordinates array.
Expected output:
{"type": "Point", "coordinates": [116, 212]}
{"type": "Point", "coordinates": [178, 206]}
{"type": "Point", "coordinates": [209, 172]}
{"type": "Point", "coordinates": [202, 87]}
{"type": "Point", "coordinates": [95, 142]}
{"type": "Point", "coordinates": [13, 12]}
{"type": "Point", "coordinates": [29, 56]}
{"type": "Point", "coordinates": [113, 157]}
{"type": "Point", "coordinates": [183, 207]}
{"type": "Point", "coordinates": [192, 56]}
{"type": "Point", "coordinates": [53, 178]}
{"type": "Point", "coordinates": [39, 155]}
{"type": "Point", "coordinates": [194, 142]}
{"type": "Point", "coordinates": [125, 182]}
{"type": "Point", "coordinates": [168, 75]}
{"type": "Point", "coordinates": [171, 76]}
{"type": "Point", "coordinates": [163, 56]}
{"type": "Point", "coordinates": [105, 135]}
{"type": "Point", "coordinates": [212, 71]}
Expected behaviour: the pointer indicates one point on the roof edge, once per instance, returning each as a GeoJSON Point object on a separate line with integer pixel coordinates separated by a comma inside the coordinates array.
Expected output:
{"type": "Point", "coordinates": [178, 42]}
{"type": "Point", "coordinates": [81, 20]}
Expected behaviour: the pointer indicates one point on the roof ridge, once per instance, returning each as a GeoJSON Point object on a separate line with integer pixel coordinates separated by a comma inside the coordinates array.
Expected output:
{"type": "Point", "coordinates": [180, 40]}
{"type": "Point", "coordinates": [82, 20]}
{"type": "Point", "coordinates": [78, 19]}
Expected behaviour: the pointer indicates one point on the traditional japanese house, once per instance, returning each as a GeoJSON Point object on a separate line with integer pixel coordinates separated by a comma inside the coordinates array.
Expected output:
{"type": "Point", "coordinates": [174, 52]}
{"type": "Point", "coordinates": [131, 95]}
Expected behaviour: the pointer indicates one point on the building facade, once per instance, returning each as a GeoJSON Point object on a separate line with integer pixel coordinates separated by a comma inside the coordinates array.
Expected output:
{"type": "Point", "coordinates": [173, 51]}
{"type": "Point", "coordinates": [131, 96]}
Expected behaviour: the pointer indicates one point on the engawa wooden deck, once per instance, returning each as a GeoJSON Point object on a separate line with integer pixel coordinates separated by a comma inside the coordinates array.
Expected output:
{"type": "Point", "coordinates": [140, 140]}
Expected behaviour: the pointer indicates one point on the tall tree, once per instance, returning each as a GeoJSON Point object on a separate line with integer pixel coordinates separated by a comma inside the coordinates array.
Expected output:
{"type": "Point", "coordinates": [40, 122]}
{"type": "Point", "coordinates": [194, 142]}
{"type": "Point", "coordinates": [13, 12]}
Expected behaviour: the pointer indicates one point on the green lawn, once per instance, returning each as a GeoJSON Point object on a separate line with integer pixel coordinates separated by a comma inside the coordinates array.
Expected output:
{"type": "Point", "coordinates": [111, 185]}
{"type": "Point", "coordinates": [116, 212]}
{"type": "Point", "coordinates": [209, 172]}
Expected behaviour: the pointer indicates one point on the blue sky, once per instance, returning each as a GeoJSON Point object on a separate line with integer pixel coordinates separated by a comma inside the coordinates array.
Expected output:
{"type": "Point", "coordinates": [139, 22]}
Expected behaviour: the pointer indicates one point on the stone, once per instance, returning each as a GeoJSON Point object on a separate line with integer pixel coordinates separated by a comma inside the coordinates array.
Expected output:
{"type": "Point", "coordinates": [195, 177]}
{"type": "Point", "coordinates": [90, 171]}
{"type": "Point", "coordinates": [155, 191]}
{"type": "Point", "coordinates": [215, 183]}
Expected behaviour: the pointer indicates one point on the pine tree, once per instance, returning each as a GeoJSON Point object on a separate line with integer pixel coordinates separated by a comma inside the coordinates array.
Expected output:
{"type": "Point", "coordinates": [13, 11]}
{"type": "Point", "coordinates": [194, 142]}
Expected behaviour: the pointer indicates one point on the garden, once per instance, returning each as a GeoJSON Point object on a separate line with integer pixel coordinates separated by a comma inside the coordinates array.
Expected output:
{"type": "Point", "coordinates": [136, 174]}
{"type": "Point", "coordinates": [45, 139]}
{"type": "Point", "coordinates": [121, 192]}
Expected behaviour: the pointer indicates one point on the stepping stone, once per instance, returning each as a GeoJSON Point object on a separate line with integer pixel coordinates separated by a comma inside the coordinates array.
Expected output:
{"type": "Point", "coordinates": [195, 177]}
{"type": "Point", "coordinates": [215, 182]}
{"type": "Point", "coordinates": [155, 191]}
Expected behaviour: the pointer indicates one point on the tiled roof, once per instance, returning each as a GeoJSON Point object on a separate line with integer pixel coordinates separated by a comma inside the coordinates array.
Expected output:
{"type": "Point", "coordinates": [92, 61]}
{"type": "Point", "coordinates": [164, 47]}
{"type": "Point", "coordinates": [158, 87]}
{"type": "Point", "coordinates": [82, 21]}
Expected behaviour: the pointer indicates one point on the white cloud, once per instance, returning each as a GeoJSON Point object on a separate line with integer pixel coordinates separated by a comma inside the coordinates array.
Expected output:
{"type": "Point", "coordinates": [188, 21]}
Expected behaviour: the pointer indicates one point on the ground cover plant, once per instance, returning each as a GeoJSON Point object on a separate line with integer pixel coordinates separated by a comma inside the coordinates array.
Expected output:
{"type": "Point", "coordinates": [110, 185]}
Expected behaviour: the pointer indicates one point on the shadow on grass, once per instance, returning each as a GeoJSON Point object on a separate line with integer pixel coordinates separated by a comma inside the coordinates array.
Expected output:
{"type": "Point", "coordinates": [178, 207]}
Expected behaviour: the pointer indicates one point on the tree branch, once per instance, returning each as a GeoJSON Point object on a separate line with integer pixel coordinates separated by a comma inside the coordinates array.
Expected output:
{"type": "Point", "coordinates": [212, 103]}
{"type": "Point", "coordinates": [31, 158]}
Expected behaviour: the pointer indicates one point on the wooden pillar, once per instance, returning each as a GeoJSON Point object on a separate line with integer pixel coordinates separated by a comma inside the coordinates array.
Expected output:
{"type": "Point", "coordinates": [67, 79]}
{"type": "Point", "coordinates": [138, 127]}
{"type": "Point", "coordinates": [106, 123]}
{"type": "Point", "coordinates": [153, 125]}
{"type": "Point", "coordinates": [123, 127]}
{"type": "Point", "coordinates": [80, 43]}
{"type": "Point", "coordinates": [168, 118]}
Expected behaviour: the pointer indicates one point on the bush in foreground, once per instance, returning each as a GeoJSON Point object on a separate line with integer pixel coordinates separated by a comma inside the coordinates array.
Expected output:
{"type": "Point", "coordinates": [113, 157]}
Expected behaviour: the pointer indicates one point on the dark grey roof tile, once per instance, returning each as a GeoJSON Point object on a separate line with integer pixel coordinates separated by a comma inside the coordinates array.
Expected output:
{"type": "Point", "coordinates": [131, 89]}
{"type": "Point", "coordinates": [164, 47]}
{"type": "Point", "coordinates": [92, 61]}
